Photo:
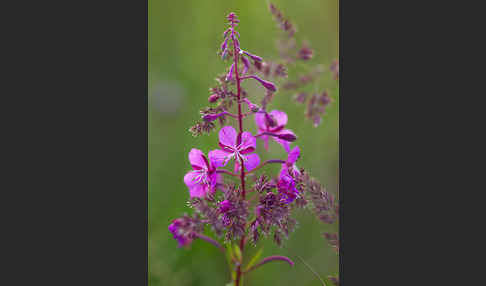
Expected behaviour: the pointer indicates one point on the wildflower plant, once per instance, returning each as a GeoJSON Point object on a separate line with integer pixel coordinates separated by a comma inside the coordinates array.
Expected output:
{"type": "Point", "coordinates": [225, 193]}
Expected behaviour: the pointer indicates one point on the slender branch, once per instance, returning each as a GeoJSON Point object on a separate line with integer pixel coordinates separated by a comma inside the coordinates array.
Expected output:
{"type": "Point", "coordinates": [270, 259]}
{"type": "Point", "coordinates": [265, 163]}
{"type": "Point", "coordinates": [221, 171]}
{"type": "Point", "coordinates": [210, 240]}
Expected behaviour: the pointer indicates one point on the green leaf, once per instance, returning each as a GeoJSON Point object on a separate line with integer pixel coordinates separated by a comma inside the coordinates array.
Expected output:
{"type": "Point", "coordinates": [229, 255]}
{"type": "Point", "coordinates": [238, 253]}
{"type": "Point", "coordinates": [230, 284]}
{"type": "Point", "coordinates": [254, 259]}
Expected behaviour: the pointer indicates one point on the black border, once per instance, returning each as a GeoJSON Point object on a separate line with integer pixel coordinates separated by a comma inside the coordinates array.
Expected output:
{"type": "Point", "coordinates": [79, 133]}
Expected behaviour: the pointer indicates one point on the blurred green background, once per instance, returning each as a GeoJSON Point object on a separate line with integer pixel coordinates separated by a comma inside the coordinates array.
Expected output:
{"type": "Point", "coordinates": [183, 40]}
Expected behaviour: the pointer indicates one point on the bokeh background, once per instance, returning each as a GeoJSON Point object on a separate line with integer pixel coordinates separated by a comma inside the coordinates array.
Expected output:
{"type": "Point", "coordinates": [183, 40]}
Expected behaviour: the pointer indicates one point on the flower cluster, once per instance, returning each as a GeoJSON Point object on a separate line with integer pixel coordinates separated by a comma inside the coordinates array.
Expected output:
{"type": "Point", "coordinates": [218, 183]}
{"type": "Point", "coordinates": [185, 228]}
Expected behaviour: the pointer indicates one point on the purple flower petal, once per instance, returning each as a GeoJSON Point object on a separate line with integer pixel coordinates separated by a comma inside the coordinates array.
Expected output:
{"type": "Point", "coordinates": [248, 143]}
{"type": "Point", "coordinates": [196, 189]}
{"type": "Point", "coordinates": [251, 161]}
{"type": "Point", "coordinates": [285, 144]}
{"type": "Point", "coordinates": [293, 155]}
{"type": "Point", "coordinates": [197, 159]}
{"type": "Point", "coordinates": [265, 141]}
{"type": "Point", "coordinates": [280, 117]}
{"type": "Point", "coordinates": [227, 137]}
{"type": "Point", "coordinates": [260, 121]}
{"type": "Point", "coordinates": [215, 179]}
{"type": "Point", "coordinates": [218, 158]}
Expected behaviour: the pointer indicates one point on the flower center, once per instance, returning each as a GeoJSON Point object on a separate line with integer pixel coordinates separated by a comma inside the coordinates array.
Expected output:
{"type": "Point", "coordinates": [202, 176]}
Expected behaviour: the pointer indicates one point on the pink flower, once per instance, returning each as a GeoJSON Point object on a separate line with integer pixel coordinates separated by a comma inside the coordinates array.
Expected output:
{"type": "Point", "coordinates": [237, 147]}
{"type": "Point", "coordinates": [203, 179]}
{"type": "Point", "coordinates": [288, 173]}
{"type": "Point", "coordinates": [274, 122]}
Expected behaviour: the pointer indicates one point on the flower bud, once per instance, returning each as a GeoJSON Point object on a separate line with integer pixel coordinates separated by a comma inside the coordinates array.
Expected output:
{"type": "Point", "coordinates": [253, 57]}
{"type": "Point", "coordinates": [246, 64]}
{"type": "Point", "coordinates": [287, 137]}
{"type": "Point", "coordinates": [213, 98]}
{"type": "Point", "coordinates": [324, 99]}
{"type": "Point", "coordinates": [229, 76]}
{"type": "Point", "coordinates": [301, 97]}
{"type": "Point", "coordinates": [224, 206]}
{"type": "Point", "coordinates": [268, 85]}
{"type": "Point", "coordinates": [224, 44]}
{"type": "Point", "coordinates": [305, 53]}
{"type": "Point", "coordinates": [251, 106]}
{"type": "Point", "coordinates": [212, 117]}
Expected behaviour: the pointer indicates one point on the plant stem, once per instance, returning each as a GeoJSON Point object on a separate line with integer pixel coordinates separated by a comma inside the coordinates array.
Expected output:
{"type": "Point", "coordinates": [240, 123]}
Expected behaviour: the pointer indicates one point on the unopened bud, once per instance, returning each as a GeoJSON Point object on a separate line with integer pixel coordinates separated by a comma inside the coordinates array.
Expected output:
{"type": "Point", "coordinates": [213, 98]}
{"type": "Point", "coordinates": [253, 107]}
{"type": "Point", "coordinates": [224, 206]}
{"type": "Point", "coordinates": [253, 57]}
{"type": "Point", "coordinates": [268, 85]}
{"type": "Point", "coordinates": [212, 117]}
{"type": "Point", "coordinates": [229, 76]}
{"type": "Point", "coordinates": [287, 137]}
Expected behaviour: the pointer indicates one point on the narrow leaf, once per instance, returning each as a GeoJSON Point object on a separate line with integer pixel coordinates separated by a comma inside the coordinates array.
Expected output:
{"type": "Point", "coordinates": [254, 259]}
{"type": "Point", "coordinates": [238, 253]}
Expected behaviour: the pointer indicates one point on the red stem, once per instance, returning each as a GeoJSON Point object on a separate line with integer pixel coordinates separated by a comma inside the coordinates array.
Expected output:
{"type": "Point", "coordinates": [240, 123]}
